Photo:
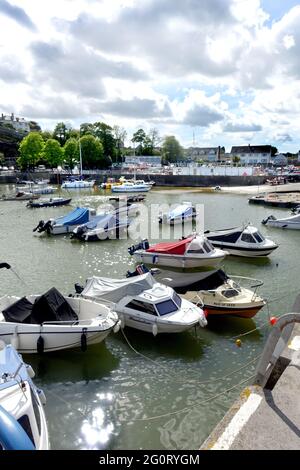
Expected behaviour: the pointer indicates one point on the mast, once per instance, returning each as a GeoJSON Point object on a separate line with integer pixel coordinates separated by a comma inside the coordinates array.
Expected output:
{"type": "Point", "coordinates": [134, 165]}
{"type": "Point", "coordinates": [80, 156]}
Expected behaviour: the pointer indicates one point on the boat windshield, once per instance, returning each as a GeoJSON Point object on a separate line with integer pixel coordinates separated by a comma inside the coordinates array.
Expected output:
{"type": "Point", "coordinates": [165, 307]}
{"type": "Point", "coordinates": [247, 237]}
{"type": "Point", "coordinates": [258, 236]}
{"type": "Point", "coordinates": [177, 300]}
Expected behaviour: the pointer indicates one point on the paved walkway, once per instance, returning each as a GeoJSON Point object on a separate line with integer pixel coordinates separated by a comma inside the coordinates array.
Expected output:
{"type": "Point", "coordinates": [265, 419]}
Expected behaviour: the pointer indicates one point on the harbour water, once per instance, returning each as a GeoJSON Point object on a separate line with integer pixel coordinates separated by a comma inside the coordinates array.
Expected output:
{"type": "Point", "coordinates": [167, 392]}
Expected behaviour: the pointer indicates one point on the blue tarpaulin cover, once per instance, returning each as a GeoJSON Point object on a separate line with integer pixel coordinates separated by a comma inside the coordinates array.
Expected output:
{"type": "Point", "coordinates": [78, 216]}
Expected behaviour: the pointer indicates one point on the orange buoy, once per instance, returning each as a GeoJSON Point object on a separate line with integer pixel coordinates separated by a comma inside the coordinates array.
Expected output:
{"type": "Point", "coordinates": [238, 342]}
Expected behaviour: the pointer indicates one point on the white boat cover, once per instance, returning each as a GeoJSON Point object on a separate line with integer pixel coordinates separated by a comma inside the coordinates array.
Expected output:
{"type": "Point", "coordinates": [114, 290]}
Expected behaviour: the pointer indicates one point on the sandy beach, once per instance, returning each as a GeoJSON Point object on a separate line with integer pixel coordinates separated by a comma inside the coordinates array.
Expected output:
{"type": "Point", "coordinates": [252, 190]}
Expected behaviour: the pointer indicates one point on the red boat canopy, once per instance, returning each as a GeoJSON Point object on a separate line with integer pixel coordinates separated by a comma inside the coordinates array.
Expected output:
{"type": "Point", "coordinates": [175, 248]}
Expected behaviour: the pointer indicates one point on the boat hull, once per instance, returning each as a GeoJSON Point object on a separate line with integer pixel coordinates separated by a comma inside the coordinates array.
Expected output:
{"type": "Point", "coordinates": [283, 224]}
{"type": "Point", "coordinates": [55, 337]}
{"type": "Point", "coordinates": [162, 327]}
{"type": "Point", "coordinates": [241, 312]}
{"type": "Point", "coordinates": [176, 261]}
{"type": "Point", "coordinates": [245, 253]}
{"type": "Point", "coordinates": [119, 189]}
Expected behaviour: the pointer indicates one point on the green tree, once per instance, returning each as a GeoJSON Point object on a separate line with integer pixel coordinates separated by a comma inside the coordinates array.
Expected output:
{"type": "Point", "coordinates": [120, 135]}
{"type": "Point", "coordinates": [52, 153]}
{"type": "Point", "coordinates": [91, 152]}
{"type": "Point", "coordinates": [46, 135]}
{"type": "Point", "coordinates": [274, 150]}
{"type": "Point", "coordinates": [71, 150]}
{"type": "Point", "coordinates": [87, 129]}
{"type": "Point", "coordinates": [171, 149]}
{"type": "Point", "coordinates": [30, 150]}
{"type": "Point", "coordinates": [105, 133]}
{"type": "Point", "coordinates": [139, 137]}
{"type": "Point", "coordinates": [61, 133]}
{"type": "Point", "coordinates": [236, 160]}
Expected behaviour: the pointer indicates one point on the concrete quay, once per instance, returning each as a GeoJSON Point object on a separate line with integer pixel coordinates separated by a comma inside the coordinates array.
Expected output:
{"type": "Point", "coordinates": [265, 418]}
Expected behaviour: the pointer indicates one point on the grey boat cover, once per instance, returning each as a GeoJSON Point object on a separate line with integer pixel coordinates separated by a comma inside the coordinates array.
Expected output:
{"type": "Point", "coordinates": [113, 290]}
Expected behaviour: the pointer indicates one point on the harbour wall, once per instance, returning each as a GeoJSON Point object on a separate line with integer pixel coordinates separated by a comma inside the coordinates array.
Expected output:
{"type": "Point", "coordinates": [160, 179]}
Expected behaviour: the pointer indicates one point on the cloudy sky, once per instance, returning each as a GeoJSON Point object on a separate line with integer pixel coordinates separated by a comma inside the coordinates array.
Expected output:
{"type": "Point", "coordinates": [216, 72]}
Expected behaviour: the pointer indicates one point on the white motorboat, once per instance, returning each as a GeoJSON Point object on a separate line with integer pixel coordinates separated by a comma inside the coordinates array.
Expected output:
{"type": "Point", "coordinates": [37, 188]}
{"type": "Point", "coordinates": [147, 183]}
{"type": "Point", "coordinates": [102, 227]}
{"type": "Point", "coordinates": [220, 294]}
{"type": "Point", "coordinates": [144, 304]}
{"type": "Point", "coordinates": [23, 424]}
{"type": "Point", "coordinates": [244, 241]}
{"type": "Point", "coordinates": [66, 223]}
{"type": "Point", "coordinates": [292, 222]}
{"type": "Point", "coordinates": [130, 187]}
{"type": "Point", "coordinates": [191, 252]}
{"type": "Point", "coordinates": [78, 184]}
{"type": "Point", "coordinates": [52, 322]}
{"type": "Point", "coordinates": [184, 212]}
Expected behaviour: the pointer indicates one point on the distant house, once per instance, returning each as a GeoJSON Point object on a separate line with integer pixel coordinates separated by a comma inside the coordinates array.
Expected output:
{"type": "Point", "coordinates": [19, 124]}
{"type": "Point", "coordinates": [280, 160]}
{"type": "Point", "coordinates": [253, 154]}
{"type": "Point", "coordinates": [209, 154]}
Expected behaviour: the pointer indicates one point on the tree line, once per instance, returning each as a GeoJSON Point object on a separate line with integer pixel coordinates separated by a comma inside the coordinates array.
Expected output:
{"type": "Point", "coordinates": [100, 145]}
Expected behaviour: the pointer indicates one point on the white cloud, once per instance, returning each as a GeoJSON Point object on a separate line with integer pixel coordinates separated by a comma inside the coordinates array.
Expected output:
{"type": "Point", "coordinates": [213, 65]}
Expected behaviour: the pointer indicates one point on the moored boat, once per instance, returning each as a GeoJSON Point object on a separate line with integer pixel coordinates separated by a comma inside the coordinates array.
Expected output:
{"type": "Point", "coordinates": [67, 223]}
{"type": "Point", "coordinates": [129, 187]}
{"type": "Point", "coordinates": [292, 222]}
{"type": "Point", "coordinates": [220, 294]}
{"type": "Point", "coordinates": [144, 304]}
{"type": "Point", "coordinates": [52, 322]}
{"type": "Point", "coordinates": [184, 212]}
{"type": "Point", "coordinates": [245, 241]}
{"type": "Point", "coordinates": [77, 184]}
{"type": "Point", "coordinates": [191, 252]}
{"type": "Point", "coordinates": [52, 202]}
{"type": "Point", "coordinates": [20, 196]}
{"type": "Point", "coordinates": [23, 423]}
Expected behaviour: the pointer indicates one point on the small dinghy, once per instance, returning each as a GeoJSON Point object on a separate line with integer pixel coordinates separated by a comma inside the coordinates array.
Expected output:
{"type": "Point", "coordinates": [52, 202]}
{"type": "Point", "coordinates": [191, 252]}
{"type": "Point", "coordinates": [22, 419]}
{"type": "Point", "coordinates": [184, 212]}
{"type": "Point", "coordinates": [220, 294]}
{"type": "Point", "coordinates": [127, 199]}
{"type": "Point", "coordinates": [244, 241]}
{"type": "Point", "coordinates": [144, 304]}
{"type": "Point", "coordinates": [66, 223]}
{"type": "Point", "coordinates": [52, 322]}
{"type": "Point", "coordinates": [292, 222]}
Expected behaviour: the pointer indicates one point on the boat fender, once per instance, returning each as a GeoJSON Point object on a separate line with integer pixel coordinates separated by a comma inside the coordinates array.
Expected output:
{"type": "Point", "coordinates": [154, 329]}
{"type": "Point", "coordinates": [122, 321]}
{"type": "Point", "coordinates": [12, 435]}
{"type": "Point", "coordinates": [15, 339]}
{"type": "Point", "coordinates": [40, 345]}
{"type": "Point", "coordinates": [117, 327]}
{"type": "Point", "coordinates": [42, 396]}
{"type": "Point", "coordinates": [30, 371]}
{"type": "Point", "coordinates": [83, 340]}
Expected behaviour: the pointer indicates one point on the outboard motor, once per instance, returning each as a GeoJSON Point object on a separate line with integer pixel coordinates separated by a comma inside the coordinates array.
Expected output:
{"type": "Point", "coordinates": [265, 221]}
{"type": "Point", "coordinates": [40, 227]}
{"type": "Point", "coordinates": [140, 269]}
{"type": "Point", "coordinates": [78, 288]}
{"type": "Point", "coordinates": [143, 245]}
{"type": "Point", "coordinates": [79, 233]}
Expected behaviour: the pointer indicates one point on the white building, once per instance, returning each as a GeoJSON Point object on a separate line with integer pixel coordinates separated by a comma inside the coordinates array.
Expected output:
{"type": "Point", "coordinates": [209, 154]}
{"type": "Point", "coordinates": [252, 154]}
{"type": "Point", "coordinates": [19, 124]}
